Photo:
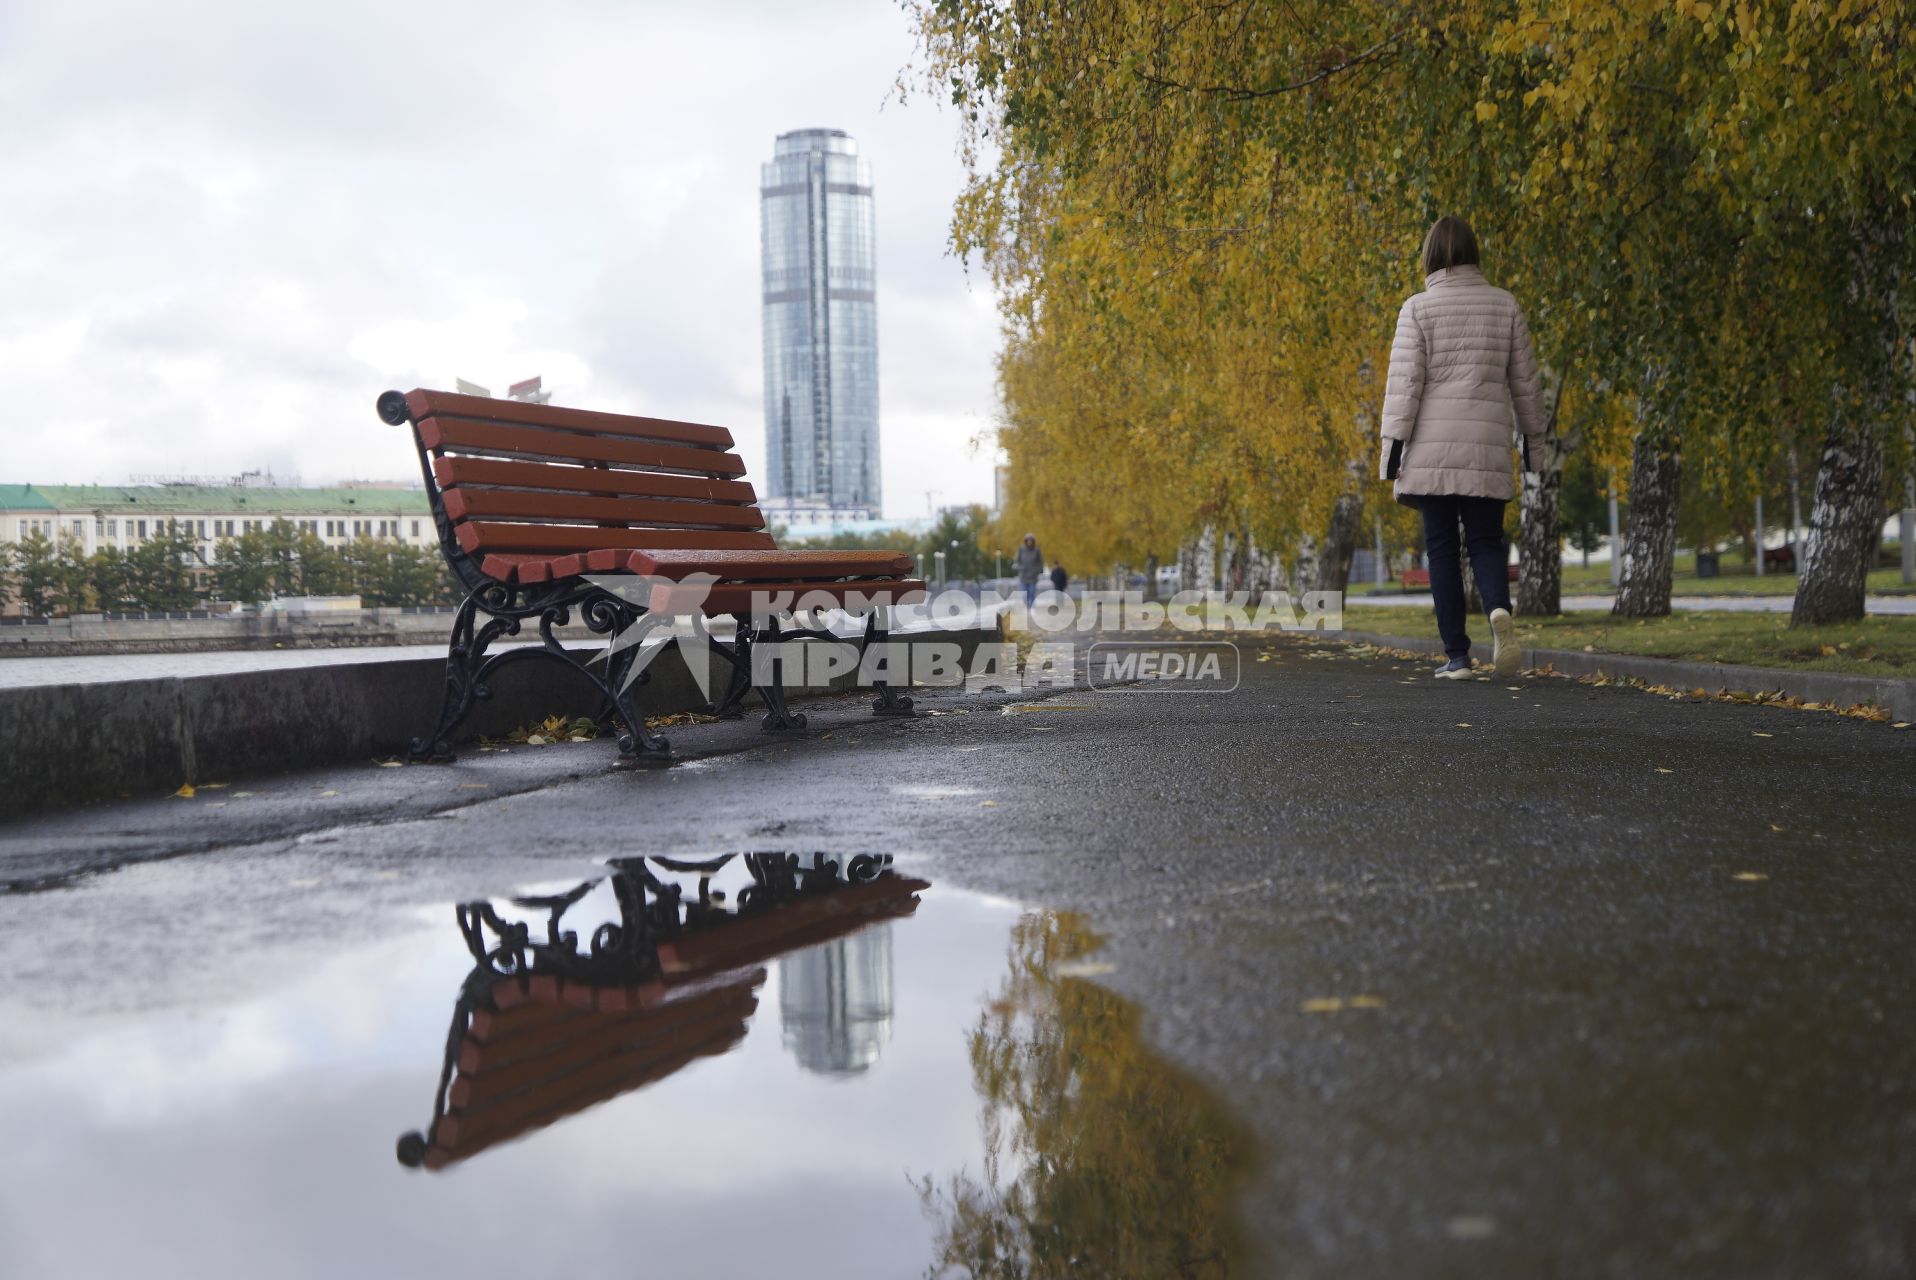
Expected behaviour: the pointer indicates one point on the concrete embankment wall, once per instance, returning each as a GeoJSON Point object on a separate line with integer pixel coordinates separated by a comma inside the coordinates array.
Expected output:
{"type": "Point", "coordinates": [72, 743]}
{"type": "Point", "coordinates": [94, 636]}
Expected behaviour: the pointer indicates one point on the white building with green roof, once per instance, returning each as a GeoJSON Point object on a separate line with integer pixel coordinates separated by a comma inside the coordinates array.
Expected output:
{"type": "Point", "coordinates": [124, 516]}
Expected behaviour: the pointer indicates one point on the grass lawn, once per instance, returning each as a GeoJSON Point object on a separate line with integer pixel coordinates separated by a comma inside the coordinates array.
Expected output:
{"type": "Point", "coordinates": [1735, 580]}
{"type": "Point", "coordinates": [1874, 646]}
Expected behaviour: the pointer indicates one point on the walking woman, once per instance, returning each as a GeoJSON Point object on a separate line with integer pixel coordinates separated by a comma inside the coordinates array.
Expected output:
{"type": "Point", "coordinates": [1460, 369]}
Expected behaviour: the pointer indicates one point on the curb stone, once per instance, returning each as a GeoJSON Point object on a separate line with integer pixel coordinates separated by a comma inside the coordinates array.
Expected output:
{"type": "Point", "coordinates": [1898, 697]}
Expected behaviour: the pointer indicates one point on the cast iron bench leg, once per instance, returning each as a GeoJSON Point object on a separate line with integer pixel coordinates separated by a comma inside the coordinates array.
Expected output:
{"type": "Point", "coordinates": [888, 702]}
{"type": "Point", "coordinates": [739, 683]}
{"type": "Point", "coordinates": [464, 657]}
{"type": "Point", "coordinates": [779, 717]}
{"type": "Point", "coordinates": [622, 707]}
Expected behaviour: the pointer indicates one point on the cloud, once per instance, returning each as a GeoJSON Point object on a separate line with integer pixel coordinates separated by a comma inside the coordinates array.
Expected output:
{"type": "Point", "coordinates": [231, 225]}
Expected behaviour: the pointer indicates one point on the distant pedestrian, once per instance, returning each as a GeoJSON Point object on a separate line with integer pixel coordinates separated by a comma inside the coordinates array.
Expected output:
{"type": "Point", "coordinates": [1461, 368]}
{"type": "Point", "coordinates": [1029, 567]}
{"type": "Point", "coordinates": [1059, 578]}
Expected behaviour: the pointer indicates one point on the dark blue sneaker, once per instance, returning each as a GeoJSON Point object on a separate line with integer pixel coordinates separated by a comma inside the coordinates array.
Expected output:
{"type": "Point", "coordinates": [1455, 669]}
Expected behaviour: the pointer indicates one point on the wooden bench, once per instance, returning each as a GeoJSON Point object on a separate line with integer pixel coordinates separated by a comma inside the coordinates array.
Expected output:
{"type": "Point", "coordinates": [543, 1030]}
{"type": "Point", "coordinates": [533, 502]}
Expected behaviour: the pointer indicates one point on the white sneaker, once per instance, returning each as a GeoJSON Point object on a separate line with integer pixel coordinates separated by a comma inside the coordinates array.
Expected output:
{"type": "Point", "coordinates": [1507, 657]}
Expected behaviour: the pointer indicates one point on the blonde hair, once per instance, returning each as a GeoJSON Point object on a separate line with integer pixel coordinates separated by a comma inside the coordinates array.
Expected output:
{"type": "Point", "coordinates": [1449, 243]}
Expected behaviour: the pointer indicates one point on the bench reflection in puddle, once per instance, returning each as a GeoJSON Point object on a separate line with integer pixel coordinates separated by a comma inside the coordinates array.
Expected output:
{"type": "Point", "coordinates": [547, 1025]}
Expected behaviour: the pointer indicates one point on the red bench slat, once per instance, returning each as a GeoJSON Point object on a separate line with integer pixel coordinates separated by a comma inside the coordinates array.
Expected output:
{"type": "Point", "coordinates": [482, 536]}
{"type": "Point", "coordinates": [596, 1037]}
{"type": "Point", "coordinates": [746, 566]}
{"type": "Point", "coordinates": [423, 404]}
{"type": "Point", "coordinates": [458, 1138]}
{"type": "Point", "coordinates": [755, 939]}
{"type": "Point", "coordinates": [738, 597]}
{"type": "Point", "coordinates": [536, 442]}
{"type": "Point", "coordinates": [766, 564]}
{"type": "Point", "coordinates": [464, 504]}
{"type": "Point", "coordinates": [453, 472]}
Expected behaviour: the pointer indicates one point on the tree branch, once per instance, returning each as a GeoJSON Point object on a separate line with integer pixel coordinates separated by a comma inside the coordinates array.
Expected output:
{"type": "Point", "coordinates": [1238, 93]}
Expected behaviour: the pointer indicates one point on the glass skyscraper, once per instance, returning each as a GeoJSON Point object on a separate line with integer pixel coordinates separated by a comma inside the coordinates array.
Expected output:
{"type": "Point", "coordinates": [818, 242]}
{"type": "Point", "coordinates": [835, 1002]}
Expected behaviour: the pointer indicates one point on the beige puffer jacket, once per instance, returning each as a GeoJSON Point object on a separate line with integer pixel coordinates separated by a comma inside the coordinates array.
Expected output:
{"type": "Point", "coordinates": [1460, 365]}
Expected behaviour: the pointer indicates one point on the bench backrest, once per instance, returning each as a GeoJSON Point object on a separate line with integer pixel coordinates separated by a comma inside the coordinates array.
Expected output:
{"type": "Point", "coordinates": [539, 480]}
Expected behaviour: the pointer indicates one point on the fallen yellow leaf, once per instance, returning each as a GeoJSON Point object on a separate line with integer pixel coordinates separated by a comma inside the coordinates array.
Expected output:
{"type": "Point", "coordinates": [987, 804]}
{"type": "Point", "coordinates": [1464, 724]}
{"type": "Point", "coordinates": [327, 794]}
{"type": "Point", "coordinates": [186, 791]}
{"type": "Point", "coordinates": [1322, 1004]}
{"type": "Point", "coordinates": [1661, 769]}
{"type": "Point", "coordinates": [1083, 969]}
{"type": "Point", "coordinates": [1749, 875]}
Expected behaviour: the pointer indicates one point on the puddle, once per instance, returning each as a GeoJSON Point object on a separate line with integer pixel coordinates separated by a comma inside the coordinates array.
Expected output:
{"type": "Point", "coordinates": [755, 1064]}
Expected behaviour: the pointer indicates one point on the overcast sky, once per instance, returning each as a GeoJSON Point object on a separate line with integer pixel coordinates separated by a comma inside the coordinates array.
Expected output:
{"type": "Point", "coordinates": [226, 225]}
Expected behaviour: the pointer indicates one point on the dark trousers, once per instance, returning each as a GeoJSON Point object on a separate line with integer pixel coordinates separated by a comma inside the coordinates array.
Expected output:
{"type": "Point", "coordinates": [1482, 520]}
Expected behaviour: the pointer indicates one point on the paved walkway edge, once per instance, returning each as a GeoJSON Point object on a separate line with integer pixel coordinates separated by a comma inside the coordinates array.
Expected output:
{"type": "Point", "coordinates": [1898, 697]}
{"type": "Point", "coordinates": [72, 743]}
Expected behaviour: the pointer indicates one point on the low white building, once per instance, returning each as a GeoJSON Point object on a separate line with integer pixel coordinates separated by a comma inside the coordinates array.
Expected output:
{"type": "Point", "coordinates": [124, 516]}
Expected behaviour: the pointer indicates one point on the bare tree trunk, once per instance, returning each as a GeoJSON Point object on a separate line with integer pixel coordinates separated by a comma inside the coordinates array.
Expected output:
{"type": "Point", "coordinates": [1649, 548]}
{"type": "Point", "coordinates": [1304, 565]}
{"type": "Point", "coordinates": [1206, 560]}
{"type": "Point", "coordinates": [1258, 565]}
{"type": "Point", "coordinates": [1540, 553]}
{"type": "Point", "coordinates": [1188, 566]}
{"type": "Point", "coordinates": [1539, 536]}
{"type": "Point", "coordinates": [1846, 517]}
{"type": "Point", "coordinates": [1340, 543]}
{"type": "Point", "coordinates": [1151, 577]}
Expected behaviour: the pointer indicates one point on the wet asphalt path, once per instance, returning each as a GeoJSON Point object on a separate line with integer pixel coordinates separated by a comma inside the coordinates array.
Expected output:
{"type": "Point", "coordinates": [1633, 979]}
